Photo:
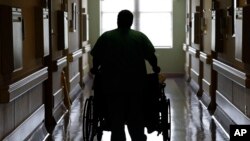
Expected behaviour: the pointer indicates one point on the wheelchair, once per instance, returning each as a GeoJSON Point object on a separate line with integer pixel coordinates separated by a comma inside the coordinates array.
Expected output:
{"type": "Point", "coordinates": [157, 113]}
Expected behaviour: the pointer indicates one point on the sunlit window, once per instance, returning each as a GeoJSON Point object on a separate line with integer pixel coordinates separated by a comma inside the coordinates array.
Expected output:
{"type": "Point", "coordinates": [152, 17]}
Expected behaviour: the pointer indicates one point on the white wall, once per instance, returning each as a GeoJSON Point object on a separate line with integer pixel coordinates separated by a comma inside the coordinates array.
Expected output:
{"type": "Point", "coordinates": [94, 20]}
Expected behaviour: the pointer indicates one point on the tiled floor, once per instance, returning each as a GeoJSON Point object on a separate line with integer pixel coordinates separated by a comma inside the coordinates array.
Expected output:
{"type": "Point", "coordinates": [190, 121]}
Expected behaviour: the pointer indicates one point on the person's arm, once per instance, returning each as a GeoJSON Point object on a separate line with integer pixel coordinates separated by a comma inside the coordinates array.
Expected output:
{"type": "Point", "coordinates": [152, 59]}
{"type": "Point", "coordinates": [96, 55]}
{"type": "Point", "coordinates": [150, 55]}
{"type": "Point", "coordinates": [96, 64]}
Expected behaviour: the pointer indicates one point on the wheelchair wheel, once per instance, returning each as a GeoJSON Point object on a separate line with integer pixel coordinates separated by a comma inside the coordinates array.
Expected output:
{"type": "Point", "coordinates": [166, 121]}
{"type": "Point", "coordinates": [88, 120]}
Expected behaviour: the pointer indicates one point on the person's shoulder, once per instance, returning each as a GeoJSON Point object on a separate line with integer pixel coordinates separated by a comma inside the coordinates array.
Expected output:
{"type": "Point", "coordinates": [135, 31]}
{"type": "Point", "coordinates": [138, 33]}
{"type": "Point", "coordinates": [108, 33]}
{"type": "Point", "coordinates": [105, 33]}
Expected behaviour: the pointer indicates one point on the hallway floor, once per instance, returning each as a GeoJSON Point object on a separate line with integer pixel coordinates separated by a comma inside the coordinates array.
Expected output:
{"type": "Point", "coordinates": [190, 121]}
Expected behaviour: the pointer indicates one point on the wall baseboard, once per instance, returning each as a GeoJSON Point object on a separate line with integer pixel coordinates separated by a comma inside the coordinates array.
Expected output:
{"type": "Point", "coordinates": [28, 127]}
{"type": "Point", "coordinates": [205, 99]}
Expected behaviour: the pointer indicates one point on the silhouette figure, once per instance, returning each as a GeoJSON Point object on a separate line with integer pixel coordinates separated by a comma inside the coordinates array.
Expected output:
{"type": "Point", "coordinates": [119, 60]}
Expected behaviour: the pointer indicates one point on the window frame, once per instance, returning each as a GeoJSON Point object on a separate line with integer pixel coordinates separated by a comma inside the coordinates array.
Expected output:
{"type": "Point", "coordinates": [136, 12]}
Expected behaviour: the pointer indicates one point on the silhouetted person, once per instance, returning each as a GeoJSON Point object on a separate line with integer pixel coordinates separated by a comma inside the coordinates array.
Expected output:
{"type": "Point", "coordinates": [119, 58]}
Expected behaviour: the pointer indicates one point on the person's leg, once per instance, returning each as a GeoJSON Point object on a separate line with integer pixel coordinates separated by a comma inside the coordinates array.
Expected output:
{"type": "Point", "coordinates": [135, 120]}
{"type": "Point", "coordinates": [117, 118]}
{"type": "Point", "coordinates": [118, 133]}
{"type": "Point", "coordinates": [136, 132]}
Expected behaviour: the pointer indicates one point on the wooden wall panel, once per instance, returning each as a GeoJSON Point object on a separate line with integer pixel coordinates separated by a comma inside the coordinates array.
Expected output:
{"type": "Point", "coordinates": [206, 26]}
{"type": "Point", "coordinates": [27, 96]}
{"type": "Point", "coordinates": [230, 111]}
{"type": "Point", "coordinates": [229, 39]}
{"type": "Point", "coordinates": [84, 38]}
{"type": "Point", "coordinates": [7, 112]}
{"type": "Point", "coordinates": [36, 98]}
{"type": "Point", "coordinates": [55, 53]}
{"type": "Point", "coordinates": [74, 43]}
{"type": "Point", "coordinates": [207, 96]}
{"type": "Point", "coordinates": [58, 66]}
{"type": "Point", "coordinates": [18, 93]}
{"type": "Point", "coordinates": [195, 65]}
{"type": "Point", "coordinates": [207, 72]}
{"type": "Point", "coordinates": [75, 49]}
{"type": "Point", "coordinates": [187, 61]}
{"type": "Point", "coordinates": [223, 79]}
{"type": "Point", "coordinates": [55, 109]}
{"type": "Point", "coordinates": [239, 94]}
{"type": "Point", "coordinates": [25, 129]}
{"type": "Point", "coordinates": [207, 79]}
{"type": "Point", "coordinates": [247, 110]}
{"type": "Point", "coordinates": [85, 66]}
{"type": "Point", "coordinates": [74, 69]}
{"type": "Point", "coordinates": [208, 82]}
{"type": "Point", "coordinates": [27, 102]}
{"type": "Point", "coordinates": [236, 75]}
{"type": "Point", "coordinates": [58, 90]}
{"type": "Point", "coordinates": [30, 61]}
{"type": "Point", "coordinates": [21, 108]}
{"type": "Point", "coordinates": [225, 87]}
{"type": "Point", "coordinates": [187, 64]}
{"type": "Point", "coordinates": [57, 82]}
{"type": "Point", "coordinates": [195, 75]}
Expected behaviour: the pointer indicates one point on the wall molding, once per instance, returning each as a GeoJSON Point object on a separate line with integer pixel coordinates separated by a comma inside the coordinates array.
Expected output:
{"type": "Point", "coordinates": [20, 87]}
{"type": "Point", "coordinates": [206, 85]}
{"type": "Point", "coordinates": [237, 76]}
{"type": "Point", "coordinates": [86, 48]}
{"type": "Point", "coordinates": [40, 134]}
{"type": "Point", "coordinates": [58, 97]}
{"type": "Point", "coordinates": [185, 47]}
{"type": "Point", "coordinates": [26, 128]}
{"type": "Point", "coordinates": [75, 79]}
{"type": "Point", "coordinates": [205, 58]}
{"type": "Point", "coordinates": [195, 75]}
{"type": "Point", "coordinates": [76, 92]}
{"type": "Point", "coordinates": [60, 112]}
{"type": "Point", "coordinates": [59, 108]}
{"type": "Point", "coordinates": [205, 97]}
{"type": "Point", "coordinates": [74, 86]}
{"type": "Point", "coordinates": [75, 55]}
{"type": "Point", "coordinates": [231, 110]}
{"type": "Point", "coordinates": [194, 85]}
{"type": "Point", "coordinates": [193, 52]}
{"type": "Point", "coordinates": [222, 120]}
{"type": "Point", "coordinates": [59, 64]}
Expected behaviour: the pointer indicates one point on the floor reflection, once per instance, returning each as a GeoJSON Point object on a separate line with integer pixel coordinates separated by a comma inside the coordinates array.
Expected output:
{"type": "Point", "coordinates": [150, 137]}
{"type": "Point", "coordinates": [197, 123]}
{"type": "Point", "coordinates": [190, 120]}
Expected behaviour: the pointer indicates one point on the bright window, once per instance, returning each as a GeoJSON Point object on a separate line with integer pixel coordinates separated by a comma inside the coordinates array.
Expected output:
{"type": "Point", "coordinates": [152, 17]}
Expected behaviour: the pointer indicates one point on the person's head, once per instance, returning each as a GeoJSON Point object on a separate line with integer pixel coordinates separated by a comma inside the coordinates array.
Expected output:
{"type": "Point", "coordinates": [124, 19]}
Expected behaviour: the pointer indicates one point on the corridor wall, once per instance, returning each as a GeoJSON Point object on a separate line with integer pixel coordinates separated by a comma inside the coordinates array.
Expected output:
{"type": "Point", "coordinates": [217, 66]}
{"type": "Point", "coordinates": [44, 61]}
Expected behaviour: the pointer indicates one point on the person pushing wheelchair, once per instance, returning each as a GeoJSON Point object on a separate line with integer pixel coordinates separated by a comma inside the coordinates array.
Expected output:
{"type": "Point", "coordinates": [119, 59]}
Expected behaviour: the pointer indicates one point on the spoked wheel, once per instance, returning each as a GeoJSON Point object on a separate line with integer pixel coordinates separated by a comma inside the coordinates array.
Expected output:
{"type": "Point", "coordinates": [166, 120]}
{"type": "Point", "coordinates": [169, 119]}
{"type": "Point", "coordinates": [88, 120]}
